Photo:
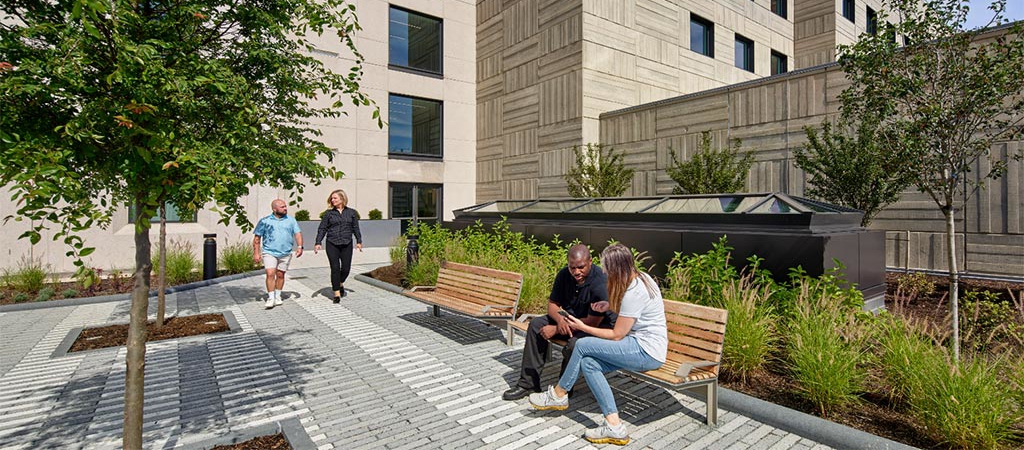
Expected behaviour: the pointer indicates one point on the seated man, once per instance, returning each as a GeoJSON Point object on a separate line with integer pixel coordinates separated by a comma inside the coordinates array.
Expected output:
{"type": "Point", "coordinates": [577, 286]}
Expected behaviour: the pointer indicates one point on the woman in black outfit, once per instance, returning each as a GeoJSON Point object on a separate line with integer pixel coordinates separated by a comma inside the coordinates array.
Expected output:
{"type": "Point", "coordinates": [339, 223]}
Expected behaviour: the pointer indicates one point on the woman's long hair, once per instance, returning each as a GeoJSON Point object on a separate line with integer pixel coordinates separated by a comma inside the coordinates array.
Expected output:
{"type": "Point", "coordinates": [617, 262]}
{"type": "Point", "coordinates": [341, 193]}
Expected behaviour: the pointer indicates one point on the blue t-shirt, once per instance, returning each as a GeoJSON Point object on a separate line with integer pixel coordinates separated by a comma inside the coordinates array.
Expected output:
{"type": "Point", "coordinates": [277, 235]}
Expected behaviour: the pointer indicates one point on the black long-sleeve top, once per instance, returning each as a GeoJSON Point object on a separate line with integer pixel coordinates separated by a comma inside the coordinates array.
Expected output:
{"type": "Point", "coordinates": [339, 226]}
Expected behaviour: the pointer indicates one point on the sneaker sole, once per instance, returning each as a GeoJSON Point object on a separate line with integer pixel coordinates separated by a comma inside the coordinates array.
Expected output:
{"type": "Point", "coordinates": [550, 407]}
{"type": "Point", "coordinates": [608, 440]}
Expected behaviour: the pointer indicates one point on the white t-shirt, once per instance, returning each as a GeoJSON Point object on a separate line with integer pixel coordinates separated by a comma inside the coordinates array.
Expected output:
{"type": "Point", "coordinates": [649, 311]}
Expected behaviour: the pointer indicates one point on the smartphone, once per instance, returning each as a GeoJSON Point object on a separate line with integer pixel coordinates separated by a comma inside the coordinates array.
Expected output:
{"type": "Point", "coordinates": [562, 313]}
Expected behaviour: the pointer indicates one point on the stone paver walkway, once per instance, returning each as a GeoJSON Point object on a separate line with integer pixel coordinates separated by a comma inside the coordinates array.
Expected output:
{"type": "Point", "coordinates": [376, 371]}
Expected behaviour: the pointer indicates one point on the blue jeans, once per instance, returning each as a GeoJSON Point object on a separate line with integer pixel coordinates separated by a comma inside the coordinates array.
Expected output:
{"type": "Point", "coordinates": [595, 357]}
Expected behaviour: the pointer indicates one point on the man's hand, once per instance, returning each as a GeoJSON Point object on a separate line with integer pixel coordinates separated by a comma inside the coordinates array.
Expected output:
{"type": "Point", "coordinates": [256, 258]}
{"type": "Point", "coordinates": [317, 248]}
{"type": "Point", "coordinates": [600, 307]}
{"type": "Point", "coordinates": [548, 331]}
{"type": "Point", "coordinates": [359, 247]}
{"type": "Point", "coordinates": [563, 327]}
{"type": "Point", "coordinates": [298, 253]}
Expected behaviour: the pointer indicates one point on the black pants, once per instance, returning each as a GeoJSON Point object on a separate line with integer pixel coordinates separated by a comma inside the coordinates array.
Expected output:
{"type": "Point", "coordinates": [340, 257]}
{"type": "Point", "coordinates": [536, 350]}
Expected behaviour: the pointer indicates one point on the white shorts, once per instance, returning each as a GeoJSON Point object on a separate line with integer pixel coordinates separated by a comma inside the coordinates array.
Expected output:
{"type": "Point", "coordinates": [275, 262]}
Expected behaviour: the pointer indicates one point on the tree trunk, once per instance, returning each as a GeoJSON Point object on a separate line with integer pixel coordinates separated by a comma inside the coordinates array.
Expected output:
{"type": "Point", "coordinates": [954, 288]}
{"type": "Point", "coordinates": [136, 360]}
{"type": "Point", "coordinates": [161, 281]}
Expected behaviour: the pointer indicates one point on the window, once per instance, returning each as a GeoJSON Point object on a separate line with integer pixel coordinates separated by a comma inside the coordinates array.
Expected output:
{"type": "Point", "coordinates": [779, 7]}
{"type": "Point", "coordinates": [744, 53]}
{"type": "Point", "coordinates": [872, 21]}
{"type": "Point", "coordinates": [702, 36]}
{"type": "Point", "coordinates": [415, 202]}
{"type": "Point", "coordinates": [849, 11]}
{"type": "Point", "coordinates": [779, 63]}
{"type": "Point", "coordinates": [414, 126]}
{"type": "Point", "coordinates": [173, 216]}
{"type": "Point", "coordinates": [414, 41]}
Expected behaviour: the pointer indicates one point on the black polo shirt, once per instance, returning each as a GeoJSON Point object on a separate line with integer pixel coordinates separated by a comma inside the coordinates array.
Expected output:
{"type": "Point", "coordinates": [576, 299]}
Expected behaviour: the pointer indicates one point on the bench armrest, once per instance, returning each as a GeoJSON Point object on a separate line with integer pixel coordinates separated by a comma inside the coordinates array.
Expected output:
{"type": "Point", "coordinates": [526, 317]}
{"type": "Point", "coordinates": [684, 368]}
{"type": "Point", "coordinates": [422, 288]}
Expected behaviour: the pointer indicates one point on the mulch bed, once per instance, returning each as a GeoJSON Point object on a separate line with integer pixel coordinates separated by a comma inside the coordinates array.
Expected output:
{"type": "Point", "coordinates": [391, 274]}
{"type": "Point", "coordinates": [273, 442]}
{"type": "Point", "coordinates": [174, 327]}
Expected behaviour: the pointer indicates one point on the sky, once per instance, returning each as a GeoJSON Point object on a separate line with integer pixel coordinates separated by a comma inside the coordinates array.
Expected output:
{"type": "Point", "coordinates": [980, 14]}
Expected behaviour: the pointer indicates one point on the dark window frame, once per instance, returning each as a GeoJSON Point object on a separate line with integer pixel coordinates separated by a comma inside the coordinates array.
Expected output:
{"type": "Point", "coordinates": [440, 132]}
{"type": "Point", "coordinates": [707, 37]}
{"type": "Point", "coordinates": [850, 10]}
{"type": "Point", "coordinates": [777, 57]}
{"type": "Point", "coordinates": [780, 8]}
{"type": "Point", "coordinates": [871, 22]}
{"type": "Point", "coordinates": [440, 44]}
{"type": "Point", "coordinates": [406, 220]}
{"type": "Point", "coordinates": [744, 61]}
{"type": "Point", "coordinates": [156, 216]}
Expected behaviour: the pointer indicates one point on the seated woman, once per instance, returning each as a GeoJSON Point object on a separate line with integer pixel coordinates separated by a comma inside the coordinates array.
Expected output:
{"type": "Point", "coordinates": [639, 342]}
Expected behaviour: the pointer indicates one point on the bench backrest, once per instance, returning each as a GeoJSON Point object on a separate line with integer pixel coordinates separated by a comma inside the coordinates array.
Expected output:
{"type": "Point", "coordinates": [479, 285]}
{"type": "Point", "coordinates": [695, 332]}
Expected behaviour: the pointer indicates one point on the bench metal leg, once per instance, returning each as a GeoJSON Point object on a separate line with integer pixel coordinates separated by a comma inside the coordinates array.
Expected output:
{"type": "Point", "coordinates": [511, 333]}
{"type": "Point", "coordinates": [437, 311]}
{"type": "Point", "coordinates": [712, 404]}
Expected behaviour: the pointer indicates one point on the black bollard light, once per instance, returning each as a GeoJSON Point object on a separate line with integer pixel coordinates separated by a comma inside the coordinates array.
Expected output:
{"type": "Point", "coordinates": [412, 251]}
{"type": "Point", "coordinates": [209, 256]}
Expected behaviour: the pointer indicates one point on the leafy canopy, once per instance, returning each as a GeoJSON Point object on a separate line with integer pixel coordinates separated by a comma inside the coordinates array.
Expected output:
{"type": "Point", "coordinates": [191, 101]}
{"type": "Point", "coordinates": [711, 171]}
{"type": "Point", "coordinates": [848, 166]}
{"type": "Point", "coordinates": [599, 172]}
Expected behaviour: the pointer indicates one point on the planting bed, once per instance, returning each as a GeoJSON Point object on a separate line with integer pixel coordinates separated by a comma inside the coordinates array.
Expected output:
{"type": "Point", "coordinates": [174, 327]}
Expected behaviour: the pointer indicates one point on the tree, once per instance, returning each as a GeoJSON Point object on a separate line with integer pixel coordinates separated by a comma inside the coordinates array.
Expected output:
{"type": "Point", "coordinates": [711, 171]}
{"type": "Point", "coordinates": [848, 166]}
{"type": "Point", "coordinates": [947, 97]}
{"type": "Point", "coordinates": [599, 172]}
{"type": "Point", "coordinates": [115, 102]}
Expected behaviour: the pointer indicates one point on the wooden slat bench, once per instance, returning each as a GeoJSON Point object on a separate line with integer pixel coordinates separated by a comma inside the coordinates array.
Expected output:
{"type": "Point", "coordinates": [696, 335]}
{"type": "Point", "coordinates": [479, 292]}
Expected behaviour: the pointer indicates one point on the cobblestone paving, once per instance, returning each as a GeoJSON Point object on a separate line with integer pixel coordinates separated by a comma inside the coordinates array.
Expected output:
{"type": "Point", "coordinates": [376, 371]}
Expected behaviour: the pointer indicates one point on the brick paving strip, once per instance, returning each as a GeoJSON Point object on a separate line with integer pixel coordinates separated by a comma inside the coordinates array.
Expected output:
{"type": "Point", "coordinates": [375, 371]}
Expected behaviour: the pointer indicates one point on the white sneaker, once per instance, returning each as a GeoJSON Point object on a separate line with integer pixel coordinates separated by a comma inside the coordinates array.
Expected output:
{"type": "Point", "coordinates": [606, 434]}
{"type": "Point", "coordinates": [547, 400]}
{"type": "Point", "coordinates": [270, 303]}
{"type": "Point", "coordinates": [278, 301]}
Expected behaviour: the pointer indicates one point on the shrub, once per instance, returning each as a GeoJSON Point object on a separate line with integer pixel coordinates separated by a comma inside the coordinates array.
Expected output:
{"type": "Point", "coordinates": [751, 328]}
{"type": "Point", "coordinates": [396, 251]}
{"type": "Point", "coordinates": [69, 293]}
{"type": "Point", "coordinates": [498, 248]}
{"type": "Point", "coordinates": [237, 257]}
{"type": "Point", "coordinates": [701, 278]}
{"type": "Point", "coordinates": [965, 405]}
{"type": "Point", "coordinates": [904, 353]}
{"type": "Point", "coordinates": [28, 276]}
{"type": "Point", "coordinates": [301, 215]}
{"type": "Point", "coordinates": [182, 263]}
{"type": "Point", "coordinates": [825, 351]}
{"type": "Point", "coordinates": [989, 324]}
{"type": "Point", "coordinates": [598, 172]}
{"type": "Point", "coordinates": [20, 297]}
{"type": "Point", "coordinates": [87, 277]}
{"type": "Point", "coordinates": [375, 214]}
{"type": "Point", "coordinates": [711, 171]}
{"type": "Point", "coordinates": [45, 294]}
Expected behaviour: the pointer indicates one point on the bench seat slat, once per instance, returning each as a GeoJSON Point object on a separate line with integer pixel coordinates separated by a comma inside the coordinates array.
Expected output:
{"type": "Point", "coordinates": [511, 286]}
{"type": "Point", "coordinates": [485, 271]}
{"type": "Point", "coordinates": [697, 311]}
{"type": "Point", "coordinates": [475, 290]}
{"type": "Point", "coordinates": [468, 297]}
{"type": "Point", "coordinates": [714, 327]}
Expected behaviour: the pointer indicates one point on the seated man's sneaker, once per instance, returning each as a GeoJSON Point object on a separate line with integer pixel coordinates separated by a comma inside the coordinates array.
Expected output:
{"type": "Point", "coordinates": [270, 303]}
{"type": "Point", "coordinates": [607, 434]}
{"type": "Point", "coordinates": [278, 302]}
{"type": "Point", "coordinates": [517, 392]}
{"type": "Point", "coordinates": [547, 400]}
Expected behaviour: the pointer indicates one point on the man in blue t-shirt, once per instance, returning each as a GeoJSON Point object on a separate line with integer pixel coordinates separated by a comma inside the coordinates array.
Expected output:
{"type": "Point", "coordinates": [276, 234]}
